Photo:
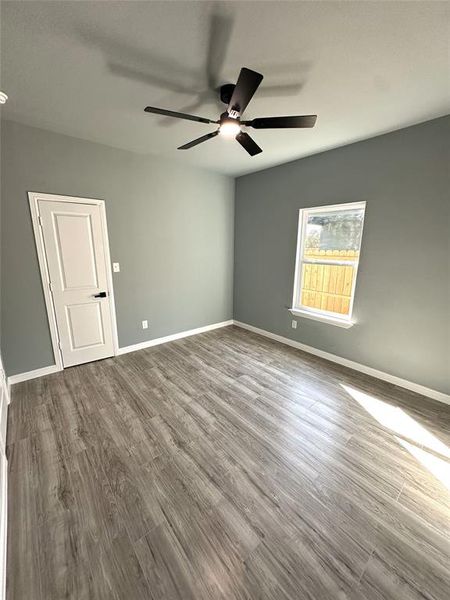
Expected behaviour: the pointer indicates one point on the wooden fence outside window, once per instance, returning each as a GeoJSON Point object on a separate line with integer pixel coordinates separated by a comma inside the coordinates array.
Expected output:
{"type": "Point", "coordinates": [328, 287]}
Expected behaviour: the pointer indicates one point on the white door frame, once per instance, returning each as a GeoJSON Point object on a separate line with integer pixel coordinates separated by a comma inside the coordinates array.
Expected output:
{"type": "Point", "coordinates": [34, 198]}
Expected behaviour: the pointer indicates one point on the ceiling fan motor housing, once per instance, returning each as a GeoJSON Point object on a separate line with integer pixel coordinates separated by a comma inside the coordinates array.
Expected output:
{"type": "Point", "coordinates": [226, 91]}
{"type": "Point", "coordinates": [226, 116]}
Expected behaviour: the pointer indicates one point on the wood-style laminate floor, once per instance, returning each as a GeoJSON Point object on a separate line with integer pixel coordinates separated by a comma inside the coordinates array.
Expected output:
{"type": "Point", "coordinates": [225, 466]}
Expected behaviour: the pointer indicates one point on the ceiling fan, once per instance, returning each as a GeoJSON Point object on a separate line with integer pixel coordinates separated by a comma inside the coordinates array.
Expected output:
{"type": "Point", "coordinates": [237, 98]}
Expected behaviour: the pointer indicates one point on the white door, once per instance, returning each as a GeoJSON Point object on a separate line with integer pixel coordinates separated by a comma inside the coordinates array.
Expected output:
{"type": "Point", "coordinates": [74, 244]}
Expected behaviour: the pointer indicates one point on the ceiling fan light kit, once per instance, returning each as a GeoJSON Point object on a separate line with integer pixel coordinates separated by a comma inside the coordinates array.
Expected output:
{"type": "Point", "coordinates": [229, 127]}
{"type": "Point", "coordinates": [237, 98]}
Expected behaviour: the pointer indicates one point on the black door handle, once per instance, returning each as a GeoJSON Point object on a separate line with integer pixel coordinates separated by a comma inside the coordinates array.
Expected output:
{"type": "Point", "coordinates": [100, 295]}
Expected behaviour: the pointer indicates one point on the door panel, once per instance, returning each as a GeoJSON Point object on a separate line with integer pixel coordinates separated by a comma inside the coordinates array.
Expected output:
{"type": "Point", "coordinates": [76, 262]}
{"type": "Point", "coordinates": [85, 325]}
{"type": "Point", "coordinates": [74, 246]}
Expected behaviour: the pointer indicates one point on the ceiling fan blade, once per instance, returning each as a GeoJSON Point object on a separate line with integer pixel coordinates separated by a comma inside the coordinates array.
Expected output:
{"type": "Point", "coordinates": [247, 84]}
{"type": "Point", "coordinates": [177, 115]}
{"type": "Point", "coordinates": [282, 122]}
{"type": "Point", "coordinates": [248, 144]}
{"type": "Point", "coordinates": [199, 140]}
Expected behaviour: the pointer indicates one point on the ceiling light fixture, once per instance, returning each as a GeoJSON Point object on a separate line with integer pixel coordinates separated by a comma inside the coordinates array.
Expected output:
{"type": "Point", "coordinates": [229, 128]}
{"type": "Point", "coordinates": [3, 98]}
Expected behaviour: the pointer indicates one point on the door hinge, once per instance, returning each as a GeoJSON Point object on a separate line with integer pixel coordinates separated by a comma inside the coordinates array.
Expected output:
{"type": "Point", "coordinates": [59, 345]}
{"type": "Point", "coordinates": [50, 286]}
{"type": "Point", "coordinates": [40, 220]}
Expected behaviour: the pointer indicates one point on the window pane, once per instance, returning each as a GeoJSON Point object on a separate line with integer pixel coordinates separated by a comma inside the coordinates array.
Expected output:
{"type": "Point", "coordinates": [334, 234]}
{"type": "Point", "coordinates": [330, 235]}
{"type": "Point", "coordinates": [327, 287]}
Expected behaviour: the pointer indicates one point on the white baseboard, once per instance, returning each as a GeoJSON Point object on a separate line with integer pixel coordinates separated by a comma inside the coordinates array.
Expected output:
{"type": "Point", "coordinates": [409, 385]}
{"type": "Point", "coordinates": [12, 379]}
{"type": "Point", "coordinates": [174, 336]}
{"type": "Point", "coordinates": [162, 340]}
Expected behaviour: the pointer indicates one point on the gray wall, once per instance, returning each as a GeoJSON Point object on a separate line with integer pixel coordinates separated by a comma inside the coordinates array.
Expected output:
{"type": "Point", "coordinates": [170, 227]}
{"type": "Point", "coordinates": [402, 304]}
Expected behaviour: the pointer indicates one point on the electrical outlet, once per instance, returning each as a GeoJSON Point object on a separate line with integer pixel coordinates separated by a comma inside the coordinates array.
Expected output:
{"type": "Point", "coordinates": [294, 324]}
{"type": "Point", "coordinates": [144, 324]}
{"type": "Point", "coordinates": [116, 267]}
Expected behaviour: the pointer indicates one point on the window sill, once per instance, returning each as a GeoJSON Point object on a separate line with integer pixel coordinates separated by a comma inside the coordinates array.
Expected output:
{"type": "Point", "coordinates": [345, 323]}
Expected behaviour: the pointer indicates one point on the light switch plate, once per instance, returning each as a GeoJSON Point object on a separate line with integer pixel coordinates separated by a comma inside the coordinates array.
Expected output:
{"type": "Point", "coordinates": [294, 324]}
{"type": "Point", "coordinates": [116, 267]}
{"type": "Point", "coordinates": [144, 324]}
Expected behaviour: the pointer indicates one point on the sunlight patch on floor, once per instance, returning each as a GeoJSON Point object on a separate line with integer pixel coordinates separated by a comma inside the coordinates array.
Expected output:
{"type": "Point", "coordinates": [418, 439]}
{"type": "Point", "coordinates": [437, 466]}
{"type": "Point", "coordinates": [398, 421]}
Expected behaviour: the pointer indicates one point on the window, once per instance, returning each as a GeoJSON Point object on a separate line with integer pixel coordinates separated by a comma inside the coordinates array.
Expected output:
{"type": "Point", "coordinates": [329, 241]}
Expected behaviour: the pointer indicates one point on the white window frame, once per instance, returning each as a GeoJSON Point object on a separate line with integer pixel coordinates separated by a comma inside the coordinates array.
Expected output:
{"type": "Point", "coordinates": [317, 314]}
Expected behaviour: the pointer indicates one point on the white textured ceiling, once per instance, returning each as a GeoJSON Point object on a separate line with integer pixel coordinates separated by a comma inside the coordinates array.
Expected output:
{"type": "Point", "coordinates": [88, 69]}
